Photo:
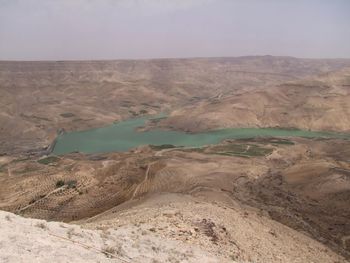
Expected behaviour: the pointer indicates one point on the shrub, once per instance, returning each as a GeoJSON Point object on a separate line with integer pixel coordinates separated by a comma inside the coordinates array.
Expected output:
{"type": "Point", "coordinates": [72, 184]}
{"type": "Point", "coordinates": [59, 183]}
{"type": "Point", "coordinates": [48, 160]}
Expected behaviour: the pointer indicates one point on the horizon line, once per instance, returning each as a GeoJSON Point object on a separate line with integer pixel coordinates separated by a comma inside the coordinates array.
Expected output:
{"type": "Point", "coordinates": [169, 58]}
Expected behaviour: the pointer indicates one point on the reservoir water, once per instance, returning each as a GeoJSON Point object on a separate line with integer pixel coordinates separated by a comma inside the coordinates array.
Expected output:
{"type": "Point", "coordinates": [123, 136]}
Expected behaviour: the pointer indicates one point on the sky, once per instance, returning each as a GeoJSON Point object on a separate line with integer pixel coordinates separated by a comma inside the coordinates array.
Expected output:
{"type": "Point", "coordinates": [142, 29]}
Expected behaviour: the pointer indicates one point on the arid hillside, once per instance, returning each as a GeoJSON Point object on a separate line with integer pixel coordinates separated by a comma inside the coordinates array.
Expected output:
{"type": "Point", "coordinates": [302, 183]}
{"type": "Point", "coordinates": [317, 103]}
{"type": "Point", "coordinates": [262, 199]}
{"type": "Point", "coordinates": [59, 242]}
{"type": "Point", "coordinates": [39, 98]}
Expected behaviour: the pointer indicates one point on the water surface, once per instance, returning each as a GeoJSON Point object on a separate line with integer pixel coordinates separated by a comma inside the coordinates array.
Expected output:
{"type": "Point", "coordinates": [123, 136]}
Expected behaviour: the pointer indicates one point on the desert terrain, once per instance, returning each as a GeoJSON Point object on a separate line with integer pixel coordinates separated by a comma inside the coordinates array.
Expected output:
{"type": "Point", "coordinates": [259, 199]}
{"type": "Point", "coordinates": [39, 99]}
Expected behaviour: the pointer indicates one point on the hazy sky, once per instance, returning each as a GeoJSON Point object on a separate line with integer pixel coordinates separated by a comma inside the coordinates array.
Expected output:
{"type": "Point", "coordinates": [119, 29]}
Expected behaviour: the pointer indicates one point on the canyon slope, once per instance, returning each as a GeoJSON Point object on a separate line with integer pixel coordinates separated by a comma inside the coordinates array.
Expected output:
{"type": "Point", "coordinates": [262, 199]}
{"type": "Point", "coordinates": [38, 99]}
{"type": "Point", "coordinates": [243, 198]}
{"type": "Point", "coordinates": [320, 103]}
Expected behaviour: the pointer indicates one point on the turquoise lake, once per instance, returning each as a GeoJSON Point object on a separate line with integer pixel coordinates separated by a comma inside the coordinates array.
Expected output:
{"type": "Point", "coordinates": [123, 136]}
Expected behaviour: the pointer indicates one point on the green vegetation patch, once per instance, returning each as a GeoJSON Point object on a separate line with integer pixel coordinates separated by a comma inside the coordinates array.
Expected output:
{"type": "Point", "coordinates": [163, 146]}
{"type": "Point", "coordinates": [72, 184]}
{"type": "Point", "coordinates": [48, 160]}
{"type": "Point", "coordinates": [69, 183]}
{"type": "Point", "coordinates": [59, 183]}
{"type": "Point", "coordinates": [281, 141]}
{"type": "Point", "coordinates": [242, 150]}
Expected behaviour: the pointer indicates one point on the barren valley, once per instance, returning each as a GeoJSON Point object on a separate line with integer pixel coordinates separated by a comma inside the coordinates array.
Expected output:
{"type": "Point", "coordinates": [256, 199]}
